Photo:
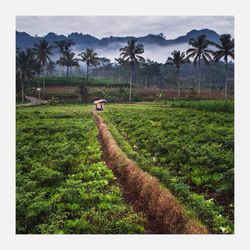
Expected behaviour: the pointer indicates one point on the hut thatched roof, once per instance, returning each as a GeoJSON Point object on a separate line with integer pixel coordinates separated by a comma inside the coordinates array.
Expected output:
{"type": "Point", "coordinates": [100, 101]}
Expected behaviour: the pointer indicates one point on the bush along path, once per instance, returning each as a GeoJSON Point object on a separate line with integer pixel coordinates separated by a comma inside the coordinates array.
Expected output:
{"type": "Point", "coordinates": [164, 213]}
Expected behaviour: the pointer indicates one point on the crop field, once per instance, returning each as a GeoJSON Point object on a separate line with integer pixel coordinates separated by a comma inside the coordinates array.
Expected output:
{"type": "Point", "coordinates": [64, 186]}
{"type": "Point", "coordinates": [189, 151]}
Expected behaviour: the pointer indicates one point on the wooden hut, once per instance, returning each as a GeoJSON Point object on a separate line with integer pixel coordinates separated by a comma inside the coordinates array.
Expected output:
{"type": "Point", "coordinates": [99, 105]}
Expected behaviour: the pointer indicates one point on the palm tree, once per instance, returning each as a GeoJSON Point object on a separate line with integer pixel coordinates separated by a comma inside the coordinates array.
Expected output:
{"type": "Point", "coordinates": [68, 44]}
{"type": "Point", "coordinates": [67, 59]}
{"type": "Point", "coordinates": [178, 59]}
{"type": "Point", "coordinates": [130, 53]}
{"type": "Point", "coordinates": [123, 67]}
{"type": "Point", "coordinates": [43, 51]}
{"type": "Point", "coordinates": [50, 68]}
{"type": "Point", "coordinates": [38, 69]}
{"type": "Point", "coordinates": [25, 67]}
{"type": "Point", "coordinates": [199, 51]}
{"type": "Point", "coordinates": [90, 58]}
{"type": "Point", "coordinates": [225, 50]}
{"type": "Point", "coordinates": [104, 61]}
{"type": "Point", "coordinates": [64, 44]}
{"type": "Point", "coordinates": [61, 45]}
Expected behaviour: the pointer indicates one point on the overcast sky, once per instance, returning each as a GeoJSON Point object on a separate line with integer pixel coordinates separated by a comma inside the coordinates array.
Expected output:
{"type": "Point", "coordinates": [104, 26]}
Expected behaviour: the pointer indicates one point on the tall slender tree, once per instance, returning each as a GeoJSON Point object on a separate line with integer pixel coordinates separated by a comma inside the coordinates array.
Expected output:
{"type": "Point", "coordinates": [43, 51]}
{"type": "Point", "coordinates": [122, 67]}
{"type": "Point", "coordinates": [25, 67]}
{"type": "Point", "coordinates": [67, 59]}
{"type": "Point", "coordinates": [225, 50]}
{"type": "Point", "coordinates": [131, 53]}
{"type": "Point", "coordinates": [64, 44]}
{"type": "Point", "coordinates": [199, 51]}
{"type": "Point", "coordinates": [178, 59]}
{"type": "Point", "coordinates": [104, 61]}
{"type": "Point", "coordinates": [61, 46]}
{"type": "Point", "coordinates": [50, 68]}
{"type": "Point", "coordinates": [149, 70]}
{"type": "Point", "coordinates": [90, 58]}
{"type": "Point", "coordinates": [69, 43]}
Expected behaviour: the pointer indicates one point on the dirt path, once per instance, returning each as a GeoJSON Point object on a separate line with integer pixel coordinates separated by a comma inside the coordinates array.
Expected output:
{"type": "Point", "coordinates": [33, 102]}
{"type": "Point", "coordinates": [163, 212]}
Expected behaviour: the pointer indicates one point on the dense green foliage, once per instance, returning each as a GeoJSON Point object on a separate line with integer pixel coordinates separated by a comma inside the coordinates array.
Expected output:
{"type": "Point", "coordinates": [122, 94]}
{"type": "Point", "coordinates": [112, 94]}
{"type": "Point", "coordinates": [133, 68]}
{"type": "Point", "coordinates": [189, 151]}
{"type": "Point", "coordinates": [211, 105]}
{"type": "Point", "coordinates": [74, 81]}
{"type": "Point", "coordinates": [62, 186]}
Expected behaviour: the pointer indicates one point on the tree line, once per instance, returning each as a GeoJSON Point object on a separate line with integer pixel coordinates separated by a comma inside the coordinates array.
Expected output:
{"type": "Point", "coordinates": [35, 61]}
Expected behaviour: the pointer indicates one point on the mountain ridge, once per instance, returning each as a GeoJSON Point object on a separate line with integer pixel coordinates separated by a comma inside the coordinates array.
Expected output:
{"type": "Point", "coordinates": [24, 40]}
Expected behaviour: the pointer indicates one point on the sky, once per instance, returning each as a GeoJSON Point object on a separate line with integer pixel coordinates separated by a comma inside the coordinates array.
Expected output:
{"type": "Point", "coordinates": [105, 26]}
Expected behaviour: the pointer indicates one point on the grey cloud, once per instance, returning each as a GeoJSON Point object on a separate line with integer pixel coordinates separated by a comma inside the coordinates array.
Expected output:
{"type": "Point", "coordinates": [102, 26]}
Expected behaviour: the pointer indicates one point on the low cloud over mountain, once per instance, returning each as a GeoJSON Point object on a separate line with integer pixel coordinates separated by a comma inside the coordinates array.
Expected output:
{"type": "Point", "coordinates": [156, 46]}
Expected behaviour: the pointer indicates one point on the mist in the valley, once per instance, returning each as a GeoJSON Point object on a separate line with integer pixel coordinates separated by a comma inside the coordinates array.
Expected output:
{"type": "Point", "coordinates": [153, 52]}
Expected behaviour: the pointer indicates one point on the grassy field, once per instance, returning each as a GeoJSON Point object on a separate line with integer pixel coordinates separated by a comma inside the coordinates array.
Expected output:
{"type": "Point", "coordinates": [63, 186]}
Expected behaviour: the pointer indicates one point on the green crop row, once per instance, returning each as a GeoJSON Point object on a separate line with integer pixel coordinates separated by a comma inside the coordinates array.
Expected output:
{"type": "Point", "coordinates": [204, 105]}
{"type": "Point", "coordinates": [62, 185]}
{"type": "Point", "coordinates": [190, 152]}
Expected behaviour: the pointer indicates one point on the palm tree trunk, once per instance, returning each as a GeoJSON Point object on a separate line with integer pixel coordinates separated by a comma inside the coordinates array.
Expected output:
{"type": "Point", "coordinates": [130, 82]}
{"type": "Point", "coordinates": [87, 72]}
{"type": "Point", "coordinates": [226, 84]}
{"type": "Point", "coordinates": [38, 86]}
{"type": "Point", "coordinates": [67, 73]}
{"type": "Point", "coordinates": [60, 67]}
{"type": "Point", "coordinates": [60, 70]}
{"type": "Point", "coordinates": [22, 90]}
{"type": "Point", "coordinates": [43, 82]}
{"type": "Point", "coordinates": [178, 83]}
{"type": "Point", "coordinates": [199, 82]}
{"type": "Point", "coordinates": [210, 88]}
{"type": "Point", "coordinates": [199, 86]}
{"type": "Point", "coordinates": [199, 78]}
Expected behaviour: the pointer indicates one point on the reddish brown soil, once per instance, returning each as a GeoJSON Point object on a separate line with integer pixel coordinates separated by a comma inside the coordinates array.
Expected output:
{"type": "Point", "coordinates": [163, 212]}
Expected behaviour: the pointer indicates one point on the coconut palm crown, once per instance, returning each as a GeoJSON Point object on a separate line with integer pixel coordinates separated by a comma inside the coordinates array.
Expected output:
{"type": "Point", "coordinates": [67, 59]}
{"type": "Point", "coordinates": [200, 50]}
{"type": "Point", "coordinates": [90, 58]}
{"type": "Point", "coordinates": [225, 50]}
{"type": "Point", "coordinates": [131, 54]}
{"type": "Point", "coordinates": [178, 59]}
{"type": "Point", "coordinates": [43, 51]}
